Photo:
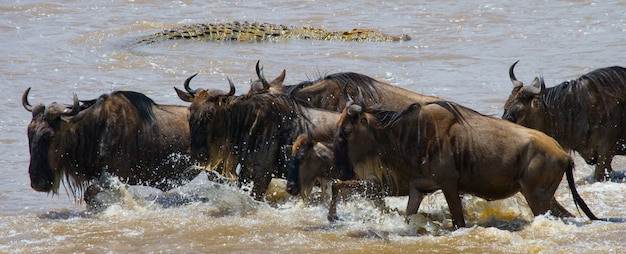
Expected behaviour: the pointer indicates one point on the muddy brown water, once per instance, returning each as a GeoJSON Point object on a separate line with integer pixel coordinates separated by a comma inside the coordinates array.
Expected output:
{"type": "Point", "coordinates": [459, 51]}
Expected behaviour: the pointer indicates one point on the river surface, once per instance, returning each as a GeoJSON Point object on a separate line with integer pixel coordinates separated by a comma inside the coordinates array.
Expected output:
{"type": "Point", "coordinates": [460, 51]}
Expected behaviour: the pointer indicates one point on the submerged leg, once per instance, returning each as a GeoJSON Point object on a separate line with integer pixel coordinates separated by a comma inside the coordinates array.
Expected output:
{"type": "Point", "coordinates": [262, 179]}
{"type": "Point", "coordinates": [603, 171]}
{"type": "Point", "coordinates": [91, 197]}
{"type": "Point", "coordinates": [342, 186]}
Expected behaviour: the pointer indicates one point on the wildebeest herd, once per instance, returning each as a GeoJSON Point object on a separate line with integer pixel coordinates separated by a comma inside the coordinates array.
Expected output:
{"type": "Point", "coordinates": [344, 131]}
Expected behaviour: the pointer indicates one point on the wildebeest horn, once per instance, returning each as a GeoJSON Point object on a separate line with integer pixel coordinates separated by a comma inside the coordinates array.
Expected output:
{"type": "Point", "coordinates": [75, 107]}
{"type": "Point", "coordinates": [514, 80]}
{"type": "Point", "coordinates": [232, 87]}
{"type": "Point", "coordinates": [186, 85]}
{"type": "Point", "coordinates": [259, 73]}
{"type": "Point", "coordinates": [25, 103]}
{"type": "Point", "coordinates": [55, 109]}
{"type": "Point", "coordinates": [361, 98]}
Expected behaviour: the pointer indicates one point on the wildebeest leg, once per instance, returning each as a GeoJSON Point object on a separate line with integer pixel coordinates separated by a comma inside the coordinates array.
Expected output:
{"type": "Point", "coordinates": [415, 200]}
{"type": "Point", "coordinates": [244, 176]}
{"type": "Point", "coordinates": [336, 187]}
{"type": "Point", "coordinates": [262, 179]}
{"type": "Point", "coordinates": [539, 192]}
{"type": "Point", "coordinates": [90, 197]}
{"type": "Point", "coordinates": [326, 186]}
{"type": "Point", "coordinates": [603, 169]}
{"type": "Point", "coordinates": [451, 193]}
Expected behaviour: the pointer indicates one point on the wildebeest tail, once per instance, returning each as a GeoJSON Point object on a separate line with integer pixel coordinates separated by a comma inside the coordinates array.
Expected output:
{"type": "Point", "coordinates": [578, 200]}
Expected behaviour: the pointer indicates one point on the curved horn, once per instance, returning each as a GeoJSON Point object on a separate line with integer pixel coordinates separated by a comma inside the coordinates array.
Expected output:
{"type": "Point", "coordinates": [259, 73]}
{"type": "Point", "coordinates": [186, 85]}
{"type": "Point", "coordinates": [514, 80]}
{"type": "Point", "coordinates": [55, 110]}
{"type": "Point", "coordinates": [232, 87]}
{"type": "Point", "coordinates": [361, 98]}
{"type": "Point", "coordinates": [75, 107]}
{"type": "Point", "coordinates": [25, 103]}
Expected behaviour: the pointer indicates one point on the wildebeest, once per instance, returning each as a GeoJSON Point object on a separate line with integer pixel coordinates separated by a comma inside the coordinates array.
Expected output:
{"type": "Point", "coordinates": [204, 102]}
{"type": "Point", "coordinates": [586, 115]}
{"type": "Point", "coordinates": [123, 133]}
{"type": "Point", "coordinates": [312, 162]}
{"type": "Point", "coordinates": [330, 92]}
{"type": "Point", "coordinates": [255, 130]}
{"type": "Point", "coordinates": [444, 146]}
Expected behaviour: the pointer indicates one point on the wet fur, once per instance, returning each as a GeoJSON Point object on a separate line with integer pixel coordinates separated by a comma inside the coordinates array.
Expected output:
{"type": "Point", "coordinates": [585, 115]}
{"type": "Point", "coordinates": [119, 133]}
{"type": "Point", "coordinates": [445, 146]}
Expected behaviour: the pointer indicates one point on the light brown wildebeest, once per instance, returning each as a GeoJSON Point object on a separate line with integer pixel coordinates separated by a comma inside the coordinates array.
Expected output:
{"type": "Point", "coordinates": [444, 146]}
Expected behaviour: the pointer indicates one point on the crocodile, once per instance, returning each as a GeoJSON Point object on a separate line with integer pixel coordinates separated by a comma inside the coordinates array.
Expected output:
{"type": "Point", "coordinates": [256, 32]}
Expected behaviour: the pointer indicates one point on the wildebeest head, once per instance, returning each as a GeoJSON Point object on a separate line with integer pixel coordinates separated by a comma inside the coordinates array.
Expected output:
{"type": "Point", "coordinates": [525, 105]}
{"type": "Point", "coordinates": [46, 122]}
{"type": "Point", "coordinates": [353, 124]}
{"type": "Point", "coordinates": [263, 86]}
{"type": "Point", "coordinates": [204, 104]}
{"type": "Point", "coordinates": [312, 160]}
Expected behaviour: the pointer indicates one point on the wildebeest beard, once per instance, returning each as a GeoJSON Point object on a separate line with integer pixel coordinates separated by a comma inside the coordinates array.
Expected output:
{"type": "Point", "coordinates": [342, 161]}
{"type": "Point", "coordinates": [105, 135]}
{"type": "Point", "coordinates": [257, 130]}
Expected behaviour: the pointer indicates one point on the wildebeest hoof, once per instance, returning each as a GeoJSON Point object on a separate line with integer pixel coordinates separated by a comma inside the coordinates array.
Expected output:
{"type": "Point", "coordinates": [332, 217]}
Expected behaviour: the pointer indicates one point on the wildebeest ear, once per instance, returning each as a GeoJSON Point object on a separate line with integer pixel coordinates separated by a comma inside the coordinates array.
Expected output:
{"type": "Point", "coordinates": [278, 81]}
{"type": "Point", "coordinates": [185, 96]}
{"type": "Point", "coordinates": [323, 151]}
{"type": "Point", "coordinates": [537, 87]}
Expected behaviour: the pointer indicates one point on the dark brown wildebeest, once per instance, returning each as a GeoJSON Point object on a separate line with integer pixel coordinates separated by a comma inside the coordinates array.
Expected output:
{"type": "Point", "coordinates": [586, 115]}
{"type": "Point", "coordinates": [255, 130]}
{"type": "Point", "coordinates": [123, 133]}
{"type": "Point", "coordinates": [329, 92]}
{"type": "Point", "coordinates": [444, 146]}
{"type": "Point", "coordinates": [204, 101]}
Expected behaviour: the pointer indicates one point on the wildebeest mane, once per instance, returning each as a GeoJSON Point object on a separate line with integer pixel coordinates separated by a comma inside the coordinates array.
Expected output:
{"type": "Point", "coordinates": [390, 118]}
{"type": "Point", "coordinates": [586, 100]}
{"type": "Point", "coordinates": [82, 148]}
{"type": "Point", "coordinates": [142, 103]}
{"type": "Point", "coordinates": [350, 82]}
{"type": "Point", "coordinates": [257, 121]}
